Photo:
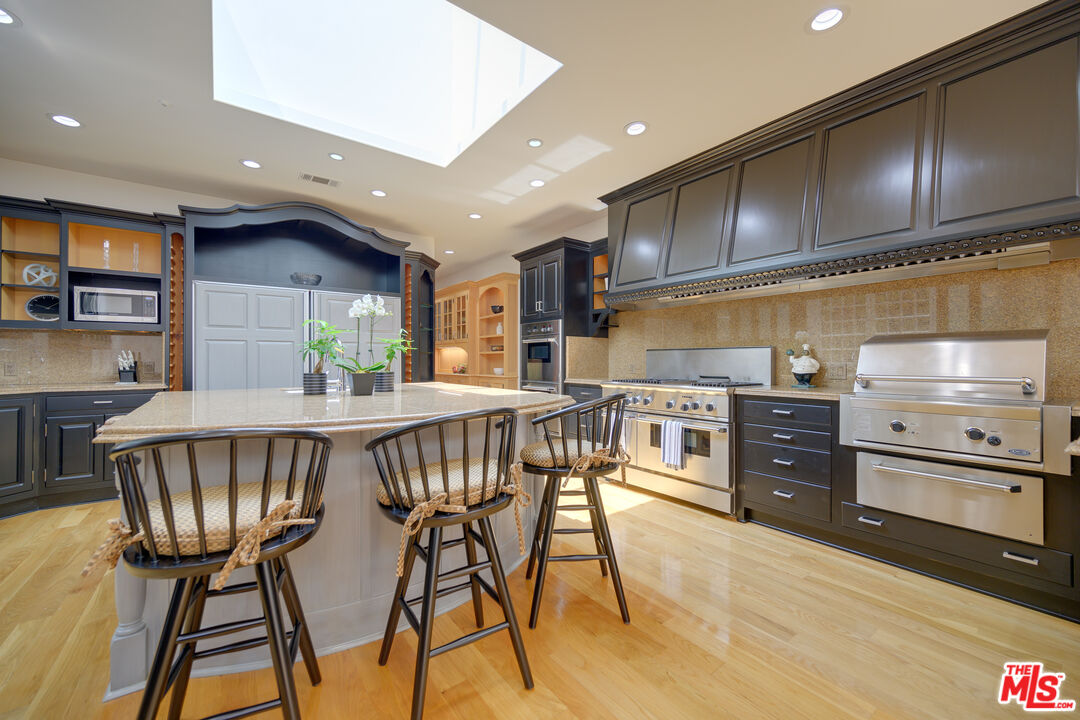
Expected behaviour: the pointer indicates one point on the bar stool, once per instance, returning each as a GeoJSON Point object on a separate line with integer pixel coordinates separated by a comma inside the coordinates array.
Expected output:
{"type": "Point", "coordinates": [189, 535]}
{"type": "Point", "coordinates": [432, 496]}
{"type": "Point", "coordinates": [581, 441]}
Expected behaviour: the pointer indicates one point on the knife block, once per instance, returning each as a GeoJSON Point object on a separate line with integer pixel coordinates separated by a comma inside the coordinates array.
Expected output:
{"type": "Point", "coordinates": [130, 376]}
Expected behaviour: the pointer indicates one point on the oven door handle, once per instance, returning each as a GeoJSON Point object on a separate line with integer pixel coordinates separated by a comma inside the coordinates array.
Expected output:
{"type": "Point", "coordinates": [529, 341]}
{"type": "Point", "coordinates": [722, 429]}
{"type": "Point", "coordinates": [1003, 487]}
{"type": "Point", "coordinates": [1027, 385]}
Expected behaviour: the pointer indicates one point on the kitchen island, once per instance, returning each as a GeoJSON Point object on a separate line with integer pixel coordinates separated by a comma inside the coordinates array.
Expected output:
{"type": "Point", "coordinates": [346, 573]}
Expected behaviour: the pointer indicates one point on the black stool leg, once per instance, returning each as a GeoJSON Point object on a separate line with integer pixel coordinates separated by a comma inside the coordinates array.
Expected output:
{"type": "Point", "coordinates": [166, 649]}
{"type": "Point", "coordinates": [591, 500]}
{"type": "Point", "coordinates": [470, 556]}
{"type": "Point", "coordinates": [194, 622]}
{"type": "Point", "coordinates": [504, 600]}
{"type": "Point", "coordinates": [296, 616]}
{"type": "Point", "coordinates": [537, 533]}
{"type": "Point", "coordinates": [552, 493]}
{"type": "Point", "coordinates": [605, 531]}
{"type": "Point", "coordinates": [427, 620]}
{"type": "Point", "coordinates": [279, 645]}
{"type": "Point", "coordinates": [395, 604]}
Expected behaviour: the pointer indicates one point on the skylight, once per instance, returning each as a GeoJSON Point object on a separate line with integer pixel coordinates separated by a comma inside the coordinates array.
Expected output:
{"type": "Point", "coordinates": [421, 78]}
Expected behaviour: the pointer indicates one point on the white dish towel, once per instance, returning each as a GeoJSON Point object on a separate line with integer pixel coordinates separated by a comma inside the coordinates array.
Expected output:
{"type": "Point", "coordinates": [671, 444]}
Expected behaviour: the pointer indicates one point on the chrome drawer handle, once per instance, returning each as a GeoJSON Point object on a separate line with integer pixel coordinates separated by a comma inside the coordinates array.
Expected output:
{"type": "Point", "coordinates": [785, 463]}
{"type": "Point", "coordinates": [103, 402]}
{"type": "Point", "coordinates": [784, 494]}
{"type": "Point", "coordinates": [782, 436]}
{"type": "Point", "coordinates": [1003, 487]}
{"type": "Point", "coordinates": [785, 413]}
{"type": "Point", "coordinates": [1020, 558]}
{"type": "Point", "coordinates": [871, 521]}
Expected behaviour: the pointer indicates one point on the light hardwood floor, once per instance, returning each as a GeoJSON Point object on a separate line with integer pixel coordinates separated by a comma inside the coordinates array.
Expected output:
{"type": "Point", "coordinates": [728, 621]}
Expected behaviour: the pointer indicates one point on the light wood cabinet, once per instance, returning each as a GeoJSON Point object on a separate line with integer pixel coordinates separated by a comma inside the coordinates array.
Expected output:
{"type": "Point", "coordinates": [476, 326]}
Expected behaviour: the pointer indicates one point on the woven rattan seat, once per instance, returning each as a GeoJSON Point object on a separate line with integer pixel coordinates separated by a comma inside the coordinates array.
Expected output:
{"type": "Point", "coordinates": [538, 454]}
{"type": "Point", "coordinates": [481, 489]}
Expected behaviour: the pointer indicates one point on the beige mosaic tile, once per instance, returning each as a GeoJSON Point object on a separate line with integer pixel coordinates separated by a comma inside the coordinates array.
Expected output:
{"type": "Point", "coordinates": [76, 357]}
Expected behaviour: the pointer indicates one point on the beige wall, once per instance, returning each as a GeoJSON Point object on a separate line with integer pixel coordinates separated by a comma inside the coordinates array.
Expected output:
{"type": "Point", "coordinates": [46, 357]}
{"type": "Point", "coordinates": [835, 322]}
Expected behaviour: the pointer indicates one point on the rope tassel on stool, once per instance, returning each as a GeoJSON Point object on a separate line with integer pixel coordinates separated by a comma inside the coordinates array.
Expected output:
{"type": "Point", "coordinates": [246, 551]}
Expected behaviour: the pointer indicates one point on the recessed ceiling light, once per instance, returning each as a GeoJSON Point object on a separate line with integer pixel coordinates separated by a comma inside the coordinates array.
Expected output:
{"type": "Point", "coordinates": [6, 18]}
{"type": "Point", "coordinates": [378, 193]}
{"type": "Point", "coordinates": [475, 216]}
{"type": "Point", "coordinates": [448, 252]}
{"type": "Point", "coordinates": [535, 142]}
{"type": "Point", "coordinates": [537, 183]}
{"type": "Point", "coordinates": [337, 156]}
{"type": "Point", "coordinates": [66, 121]}
{"type": "Point", "coordinates": [826, 19]}
{"type": "Point", "coordinates": [636, 128]}
{"type": "Point", "coordinates": [251, 164]}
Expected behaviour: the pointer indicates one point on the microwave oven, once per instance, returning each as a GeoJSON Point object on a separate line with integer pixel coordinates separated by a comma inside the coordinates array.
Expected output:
{"type": "Point", "coordinates": [115, 305]}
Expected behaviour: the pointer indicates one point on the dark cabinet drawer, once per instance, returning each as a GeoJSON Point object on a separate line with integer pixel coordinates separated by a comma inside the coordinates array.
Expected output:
{"type": "Point", "coordinates": [788, 437]}
{"type": "Point", "coordinates": [811, 466]}
{"type": "Point", "coordinates": [583, 393]}
{"type": "Point", "coordinates": [101, 402]}
{"type": "Point", "coordinates": [788, 412]}
{"type": "Point", "coordinates": [790, 495]}
{"type": "Point", "coordinates": [1016, 557]}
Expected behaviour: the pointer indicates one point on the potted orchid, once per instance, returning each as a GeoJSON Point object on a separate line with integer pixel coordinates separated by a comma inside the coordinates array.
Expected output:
{"type": "Point", "coordinates": [372, 308]}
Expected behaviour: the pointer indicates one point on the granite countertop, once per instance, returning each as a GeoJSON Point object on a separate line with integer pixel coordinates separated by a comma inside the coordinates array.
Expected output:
{"type": "Point", "coordinates": [584, 381]}
{"type": "Point", "coordinates": [289, 408]}
{"type": "Point", "coordinates": [82, 387]}
{"type": "Point", "coordinates": [822, 392]}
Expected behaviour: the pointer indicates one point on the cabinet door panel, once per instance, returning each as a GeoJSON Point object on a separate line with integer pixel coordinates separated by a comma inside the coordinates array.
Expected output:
{"type": "Point", "coordinates": [698, 231]}
{"type": "Point", "coordinates": [551, 284]}
{"type": "Point", "coordinates": [71, 458]}
{"type": "Point", "coordinates": [871, 175]}
{"type": "Point", "coordinates": [16, 446]}
{"type": "Point", "coordinates": [643, 239]}
{"type": "Point", "coordinates": [771, 203]}
{"type": "Point", "coordinates": [530, 290]}
{"type": "Point", "coordinates": [1009, 135]}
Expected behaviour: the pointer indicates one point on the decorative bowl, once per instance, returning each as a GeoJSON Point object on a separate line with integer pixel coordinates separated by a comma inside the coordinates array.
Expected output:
{"type": "Point", "coordinates": [497, 371]}
{"type": "Point", "coordinates": [303, 278]}
{"type": "Point", "coordinates": [496, 309]}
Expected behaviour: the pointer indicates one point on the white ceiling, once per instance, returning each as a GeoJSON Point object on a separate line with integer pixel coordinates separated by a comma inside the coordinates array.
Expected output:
{"type": "Point", "coordinates": [137, 73]}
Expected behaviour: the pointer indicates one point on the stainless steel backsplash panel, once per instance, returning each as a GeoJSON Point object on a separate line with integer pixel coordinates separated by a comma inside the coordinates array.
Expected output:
{"type": "Point", "coordinates": [746, 364]}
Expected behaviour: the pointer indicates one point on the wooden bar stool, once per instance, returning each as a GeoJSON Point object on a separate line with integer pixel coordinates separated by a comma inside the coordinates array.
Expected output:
{"type": "Point", "coordinates": [440, 492]}
{"type": "Point", "coordinates": [188, 535]}
{"type": "Point", "coordinates": [581, 441]}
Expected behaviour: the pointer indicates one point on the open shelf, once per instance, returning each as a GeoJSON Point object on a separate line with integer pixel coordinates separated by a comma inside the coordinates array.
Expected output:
{"type": "Point", "coordinates": [87, 243]}
{"type": "Point", "coordinates": [492, 315]}
{"type": "Point", "coordinates": [18, 235]}
{"type": "Point", "coordinates": [31, 255]}
{"type": "Point", "coordinates": [485, 337]}
{"type": "Point", "coordinates": [115, 273]}
{"type": "Point", "coordinates": [13, 302]}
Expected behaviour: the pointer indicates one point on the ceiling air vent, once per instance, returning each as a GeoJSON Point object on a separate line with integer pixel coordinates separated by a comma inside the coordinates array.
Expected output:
{"type": "Point", "coordinates": [319, 179]}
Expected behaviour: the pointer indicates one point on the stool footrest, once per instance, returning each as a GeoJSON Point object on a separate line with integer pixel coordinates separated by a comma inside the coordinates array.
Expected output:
{"type": "Point", "coordinates": [572, 531]}
{"type": "Point", "coordinates": [410, 616]}
{"type": "Point", "coordinates": [470, 638]}
{"type": "Point", "coordinates": [488, 589]}
{"type": "Point", "coordinates": [571, 492]}
{"type": "Point", "coordinates": [233, 589]}
{"type": "Point", "coordinates": [571, 508]}
{"type": "Point", "coordinates": [222, 629]}
{"type": "Point", "coordinates": [452, 543]}
{"type": "Point", "coordinates": [443, 591]}
{"type": "Point", "coordinates": [246, 711]}
{"type": "Point", "coordinates": [465, 570]}
{"type": "Point", "coordinates": [576, 558]}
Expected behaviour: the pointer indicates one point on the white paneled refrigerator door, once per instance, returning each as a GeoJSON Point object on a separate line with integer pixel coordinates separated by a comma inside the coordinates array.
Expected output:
{"type": "Point", "coordinates": [334, 307]}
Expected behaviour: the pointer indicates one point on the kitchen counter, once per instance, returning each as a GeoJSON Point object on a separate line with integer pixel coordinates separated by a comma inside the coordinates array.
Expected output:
{"type": "Point", "coordinates": [346, 573]}
{"type": "Point", "coordinates": [82, 388]}
{"type": "Point", "coordinates": [584, 381]}
{"type": "Point", "coordinates": [822, 392]}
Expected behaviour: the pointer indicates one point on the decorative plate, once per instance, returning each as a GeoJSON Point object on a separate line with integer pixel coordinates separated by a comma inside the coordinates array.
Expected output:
{"type": "Point", "coordinates": [39, 274]}
{"type": "Point", "coordinates": [44, 307]}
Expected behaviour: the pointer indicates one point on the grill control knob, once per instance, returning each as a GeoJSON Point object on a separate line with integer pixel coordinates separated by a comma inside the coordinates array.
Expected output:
{"type": "Point", "coordinates": [710, 407]}
{"type": "Point", "coordinates": [993, 440]}
{"type": "Point", "coordinates": [647, 401]}
{"type": "Point", "coordinates": [685, 407]}
{"type": "Point", "coordinates": [974, 433]}
{"type": "Point", "coordinates": [897, 426]}
{"type": "Point", "coordinates": [670, 404]}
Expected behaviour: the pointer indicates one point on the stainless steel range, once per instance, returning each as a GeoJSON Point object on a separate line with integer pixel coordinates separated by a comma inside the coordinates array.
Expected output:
{"type": "Point", "coordinates": [689, 386]}
{"type": "Point", "coordinates": [943, 422]}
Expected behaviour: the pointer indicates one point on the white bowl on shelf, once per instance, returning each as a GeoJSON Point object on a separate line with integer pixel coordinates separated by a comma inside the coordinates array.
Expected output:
{"type": "Point", "coordinates": [497, 371]}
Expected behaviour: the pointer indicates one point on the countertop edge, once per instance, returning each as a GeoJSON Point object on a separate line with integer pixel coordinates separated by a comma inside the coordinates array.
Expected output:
{"type": "Point", "coordinates": [59, 389]}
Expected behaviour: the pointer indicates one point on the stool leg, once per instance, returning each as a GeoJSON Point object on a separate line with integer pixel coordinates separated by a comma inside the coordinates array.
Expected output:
{"type": "Point", "coordinates": [470, 556]}
{"type": "Point", "coordinates": [395, 604]}
{"type": "Point", "coordinates": [595, 527]}
{"type": "Point", "coordinates": [504, 600]}
{"type": "Point", "coordinates": [194, 622]}
{"type": "Point", "coordinates": [534, 546]}
{"type": "Point", "coordinates": [427, 620]}
{"type": "Point", "coordinates": [552, 492]}
{"type": "Point", "coordinates": [296, 615]}
{"type": "Point", "coordinates": [605, 532]}
{"type": "Point", "coordinates": [279, 645]}
{"type": "Point", "coordinates": [166, 649]}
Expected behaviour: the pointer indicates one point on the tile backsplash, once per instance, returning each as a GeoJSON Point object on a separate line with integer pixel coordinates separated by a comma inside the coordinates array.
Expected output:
{"type": "Point", "coordinates": [836, 322]}
{"type": "Point", "coordinates": [63, 357]}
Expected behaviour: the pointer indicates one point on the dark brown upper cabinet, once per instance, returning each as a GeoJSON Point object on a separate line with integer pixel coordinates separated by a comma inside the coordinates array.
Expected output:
{"type": "Point", "coordinates": [870, 176]}
{"type": "Point", "coordinates": [771, 204]}
{"type": "Point", "coordinates": [698, 231]}
{"type": "Point", "coordinates": [643, 239]}
{"type": "Point", "coordinates": [1008, 137]}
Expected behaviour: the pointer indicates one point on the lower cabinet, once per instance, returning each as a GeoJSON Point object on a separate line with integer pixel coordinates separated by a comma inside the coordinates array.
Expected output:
{"type": "Point", "coordinates": [71, 457]}
{"type": "Point", "coordinates": [17, 415]}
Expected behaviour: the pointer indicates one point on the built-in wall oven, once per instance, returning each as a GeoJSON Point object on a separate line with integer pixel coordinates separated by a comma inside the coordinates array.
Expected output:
{"type": "Point", "coordinates": [541, 356]}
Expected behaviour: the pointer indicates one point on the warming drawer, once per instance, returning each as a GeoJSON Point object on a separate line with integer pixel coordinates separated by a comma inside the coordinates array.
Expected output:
{"type": "Point", "coordinates": [1004, 504]}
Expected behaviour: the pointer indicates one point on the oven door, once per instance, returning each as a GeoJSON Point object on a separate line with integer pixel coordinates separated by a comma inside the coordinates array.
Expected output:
{"type": "Point", "coordinates": [540, 361]}
{"type": "Point", "coordinates": [706, 450]}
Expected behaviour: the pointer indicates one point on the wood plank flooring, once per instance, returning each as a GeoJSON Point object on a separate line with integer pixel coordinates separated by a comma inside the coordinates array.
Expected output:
{"type": "Point", "coordinates": [728, 621]}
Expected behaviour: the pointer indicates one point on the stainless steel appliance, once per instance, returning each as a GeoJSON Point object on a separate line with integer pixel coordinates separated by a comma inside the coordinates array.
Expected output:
{"type": "Point", "coordinates": [941, 420]}
{"type": "Point", "coordinates": [691, 386]}
{"type": "Point", "coordinates": [542, 349]}
{"type": "Point", "coordinates": [115, 305]}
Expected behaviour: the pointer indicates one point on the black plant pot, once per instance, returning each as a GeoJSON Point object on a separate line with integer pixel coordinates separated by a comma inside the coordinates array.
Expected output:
{"type": "Point", "coordinates": [384, 382]}
{"type": "Point", "coordinates": [315, 383]}
{"type": "Point", "coordinates": [362, 383]}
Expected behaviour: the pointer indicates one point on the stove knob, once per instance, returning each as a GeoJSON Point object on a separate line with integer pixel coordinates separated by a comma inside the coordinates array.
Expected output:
{"type": "Point", "coordinates": [993, 440]}
{"type": "Point", "coordinates": [647, 401]}
{"type": "Point", "coordinates": [897, 426]}
{"type": "Point", "coordinates": [974, 433]}
{"type": "Point", "coordinates": [709, 407]}
{"type": "Point", "coordinates": [635, 399]}
{"type": "Point", "coordinates": [670, 404]}
{"type": "Point", "coordinates": [695, 405]}
{"type": "Point", "coordinates": [685, 407]}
